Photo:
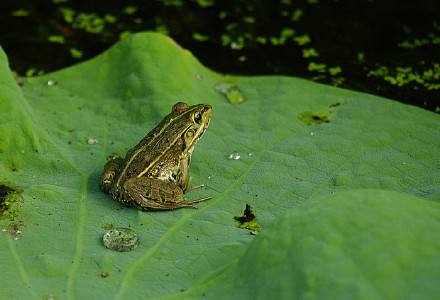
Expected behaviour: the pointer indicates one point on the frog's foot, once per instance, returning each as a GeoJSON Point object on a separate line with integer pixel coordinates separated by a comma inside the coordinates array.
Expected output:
{"type": "Point", "coordinates": [111, 169]}
{"type": "Point", "coordinates": [192, 202]}
{"type": "Point", "coordinates": [196, 188]}
{"type": "Point", "coordinates": [192, 188]}
{"type": "Point", "coordinates": [154, 194]}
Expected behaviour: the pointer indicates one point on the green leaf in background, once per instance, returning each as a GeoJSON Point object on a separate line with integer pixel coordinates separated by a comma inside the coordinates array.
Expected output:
{"type": "Point", "coordinates": [349, 207]}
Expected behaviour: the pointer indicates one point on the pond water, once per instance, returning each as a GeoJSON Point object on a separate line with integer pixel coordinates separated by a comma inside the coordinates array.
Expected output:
{"type": "Point", "coordinates": [388, 48]}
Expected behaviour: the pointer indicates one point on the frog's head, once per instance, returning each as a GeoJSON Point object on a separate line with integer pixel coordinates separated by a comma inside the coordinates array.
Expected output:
{"type": "Point", "coordinates": [197, 119]}
{"type": "Point", "coordinates": [186, 125]}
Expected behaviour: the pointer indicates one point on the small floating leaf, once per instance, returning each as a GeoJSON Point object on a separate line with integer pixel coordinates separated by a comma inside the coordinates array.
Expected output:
{"type": "Point", "coordinates": [335, 70]}
{"type": "Point", "coordinates": [20, 13]}
{"type": "Point", "coordinates": [205, 3]}
{"type": "Point", "coordinates": [200, 37]}
{"type": "Point", "coordinates": [249, 20]}
{"type": "Point", "coordinates": [76, 53]}
{"type": "Point", "coordinates": [110, 18]}
{"type": "Point", "coordinates": [296, 15]}
{"type": "Point", "coordinates": [310, 52]}
{"type": "Point", "coordinates": [56, 39]}
{"type": "Point", "coordinates": [222, 14]}
{"type": "Point", "coordinates": [261, 40]}
{"type": "Point", "coordinates": [129, 10]}
{"type": "Point", "coordinates": [316, 67]}
{"type": "Point", "coordinates": [302, 39]}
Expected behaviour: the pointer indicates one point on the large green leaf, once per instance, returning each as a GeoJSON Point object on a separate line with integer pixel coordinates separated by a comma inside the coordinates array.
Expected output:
{"type": "Point", "coordinates": [344, 185]}
{"type": "Point", "coordinates": [358, 244]}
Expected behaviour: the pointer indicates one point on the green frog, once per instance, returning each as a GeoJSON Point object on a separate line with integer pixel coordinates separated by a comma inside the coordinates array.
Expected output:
{"type": "Point", "coordinates": [154, 175]}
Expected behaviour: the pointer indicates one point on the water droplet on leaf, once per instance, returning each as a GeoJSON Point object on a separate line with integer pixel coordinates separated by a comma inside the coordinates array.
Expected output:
{"type": "Point", "coordinates": [231, 92]}
{"type": "Point", "coordinates": [120, 239]}
{"type": "Point", "coordinates": [92, 141]}
{"type": "Point", "coordinates": [51, 82]}
{"type": "Point", "coordinates": [234, 156]}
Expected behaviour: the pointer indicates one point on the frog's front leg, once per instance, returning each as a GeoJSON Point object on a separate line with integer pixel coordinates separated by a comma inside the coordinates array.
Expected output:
{"type": "Point", "coordinates": [154, 194]}
{"type": "Point", "coordinates": [111, 171]}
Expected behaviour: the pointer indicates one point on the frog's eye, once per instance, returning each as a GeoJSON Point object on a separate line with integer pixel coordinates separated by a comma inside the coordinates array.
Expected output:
{"type": "Point", "coordinates": [197, 117]}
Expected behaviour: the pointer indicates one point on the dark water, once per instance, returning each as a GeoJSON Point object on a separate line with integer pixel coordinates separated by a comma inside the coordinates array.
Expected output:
{"type": "Point", "coordinates": [388, 48]}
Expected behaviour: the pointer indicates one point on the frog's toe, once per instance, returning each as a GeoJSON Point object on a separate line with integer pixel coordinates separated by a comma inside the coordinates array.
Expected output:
{"type": "Point", "coordinates": [111, 169]}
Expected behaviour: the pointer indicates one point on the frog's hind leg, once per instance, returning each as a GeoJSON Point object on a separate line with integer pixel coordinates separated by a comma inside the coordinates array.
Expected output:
{"type": "Point", "coordinates": [111, 169]}
{"type": "Point", "coordinates": [154, 194]}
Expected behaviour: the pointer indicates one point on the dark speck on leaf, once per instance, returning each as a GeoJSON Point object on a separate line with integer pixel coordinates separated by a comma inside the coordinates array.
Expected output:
{"type": "Point", "coordinates": [248, 215]}
{"type": "Point", "coordinates": [334, 104]}
{"type": "Point", "coordinates": [314, 117]}
{"type": "Point", "coordinates": [248, 220]}
{"type": "Point", "coordinates": [104, 274]}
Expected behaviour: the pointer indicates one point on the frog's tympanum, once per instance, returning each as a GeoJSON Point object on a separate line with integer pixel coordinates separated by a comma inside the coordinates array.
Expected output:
{"type": "Point", "coordinates": [154, 175]}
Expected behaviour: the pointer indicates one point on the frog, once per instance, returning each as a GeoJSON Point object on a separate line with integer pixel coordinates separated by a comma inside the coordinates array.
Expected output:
{"type": "Point", "coordinates": [154, 174]}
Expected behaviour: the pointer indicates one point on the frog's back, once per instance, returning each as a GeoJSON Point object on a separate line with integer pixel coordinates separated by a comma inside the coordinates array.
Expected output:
{"type": "Point", "coordinates": [145, 152]}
